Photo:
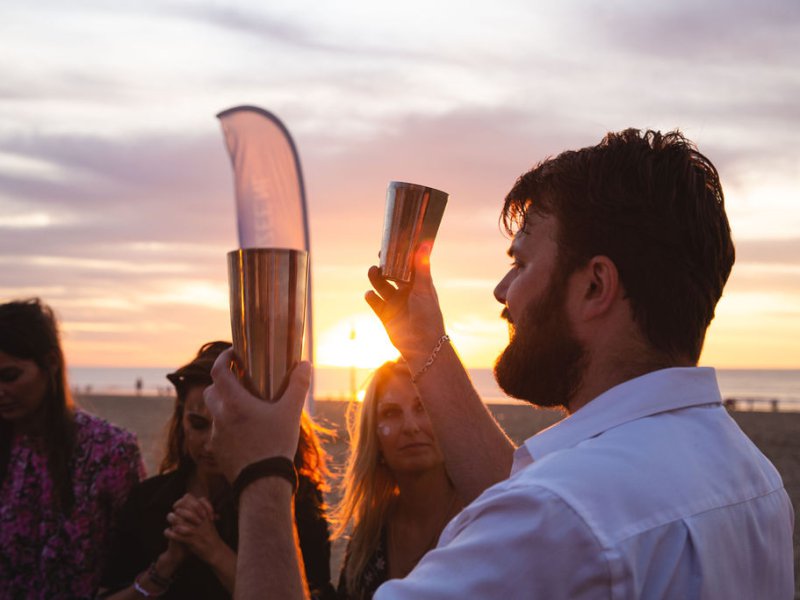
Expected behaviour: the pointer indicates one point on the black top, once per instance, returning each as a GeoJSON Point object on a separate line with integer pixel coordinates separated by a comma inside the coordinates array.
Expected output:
{"type": "Point", "coordinates": [139, 538]}
{"type": "Point", "coordinates": [374, 574]}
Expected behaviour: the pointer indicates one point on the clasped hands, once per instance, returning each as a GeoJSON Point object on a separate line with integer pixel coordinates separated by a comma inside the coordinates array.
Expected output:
{"type": "Point", "coordinates": [191, 524]}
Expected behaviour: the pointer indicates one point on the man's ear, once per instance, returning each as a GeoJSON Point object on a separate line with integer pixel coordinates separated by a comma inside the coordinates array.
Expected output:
{"type": "Point", "coordinates": [601, 287]}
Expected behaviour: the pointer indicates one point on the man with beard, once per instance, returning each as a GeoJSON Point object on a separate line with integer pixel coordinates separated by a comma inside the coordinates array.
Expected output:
{"type": "Point", "coordinates": [648, 489]}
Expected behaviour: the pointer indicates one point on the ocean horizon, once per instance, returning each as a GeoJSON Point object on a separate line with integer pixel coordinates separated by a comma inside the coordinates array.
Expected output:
{"type": "Point", "coordinates": [751, 388]}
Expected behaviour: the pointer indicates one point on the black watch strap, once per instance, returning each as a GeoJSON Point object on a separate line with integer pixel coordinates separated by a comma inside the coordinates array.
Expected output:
{"type": "Point", "coordinates": [277, 466]}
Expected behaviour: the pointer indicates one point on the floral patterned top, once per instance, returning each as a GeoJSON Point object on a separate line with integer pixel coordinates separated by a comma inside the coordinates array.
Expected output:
{"type": "Point", "coordinates": [46, 554]}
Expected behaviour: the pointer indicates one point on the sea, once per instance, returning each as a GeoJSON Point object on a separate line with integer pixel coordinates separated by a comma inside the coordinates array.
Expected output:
{"type": "Point", "coordinates": [750, 389]}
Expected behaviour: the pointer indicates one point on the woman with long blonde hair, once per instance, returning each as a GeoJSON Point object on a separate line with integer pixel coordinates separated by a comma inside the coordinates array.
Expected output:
{"type": "Point", "coordinates": [397, 496]}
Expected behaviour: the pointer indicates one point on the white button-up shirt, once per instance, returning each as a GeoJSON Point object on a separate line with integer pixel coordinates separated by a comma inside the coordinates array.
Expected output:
{"type": "Point", "coordinates": [650, 490]}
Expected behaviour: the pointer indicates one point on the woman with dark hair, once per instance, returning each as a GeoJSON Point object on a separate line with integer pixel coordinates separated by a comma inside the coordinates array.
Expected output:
{"type": "Point", "coordinates": [63, 472]}
{"type": "Point", "coordinates": [177, 534]}
{"type": "Point", "coordinates": [397, 496]}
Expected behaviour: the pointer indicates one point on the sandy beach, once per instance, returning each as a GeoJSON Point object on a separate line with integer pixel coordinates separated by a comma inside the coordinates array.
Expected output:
{"type": "Point", "coordinates": [776, 434]}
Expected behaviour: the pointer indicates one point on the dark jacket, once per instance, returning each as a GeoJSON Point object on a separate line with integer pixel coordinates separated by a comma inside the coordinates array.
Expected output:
{"type": "Point", "coordinates": [139, 538]}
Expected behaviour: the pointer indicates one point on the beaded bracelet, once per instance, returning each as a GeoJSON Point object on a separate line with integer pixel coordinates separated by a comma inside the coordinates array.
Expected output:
{"type": "Point", "coordinates": [431, 358]}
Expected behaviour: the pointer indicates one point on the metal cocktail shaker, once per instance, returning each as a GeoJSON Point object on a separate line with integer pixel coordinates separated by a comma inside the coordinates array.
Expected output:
{"type": "Point", "coordinates": [413, 213]}
{"type": "Point", "coordinates": [268, 312]}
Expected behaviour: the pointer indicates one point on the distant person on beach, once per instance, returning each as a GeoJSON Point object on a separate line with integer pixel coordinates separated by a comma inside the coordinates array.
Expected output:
{"type": "Point", "coordinates": [397, 495]}
{"type": "Point", "coordinates": [648, 489]}
{"type": "Point", "coordinates": [196, 556]}
{"type": "Point", "coordinates": [63, 473]}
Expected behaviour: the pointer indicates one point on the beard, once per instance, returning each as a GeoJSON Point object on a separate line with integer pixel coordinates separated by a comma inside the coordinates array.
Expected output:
{"type": "Point", "coordinates": [544, 362]}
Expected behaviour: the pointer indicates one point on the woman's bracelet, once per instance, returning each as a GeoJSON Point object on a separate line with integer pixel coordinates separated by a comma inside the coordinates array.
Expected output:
{"type": "Point", "coordinates": [143, 592]}
{"type": "Point", "coordinates": [152, 574]}
{"type": "Point", "coordinates": [431, 358]}
{"type": "Point", "coordinates": [162, 582]}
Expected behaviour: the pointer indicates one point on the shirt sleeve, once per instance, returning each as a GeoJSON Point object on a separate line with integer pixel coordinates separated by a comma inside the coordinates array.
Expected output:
{"type": "Point", "coordinates": [512, 542]}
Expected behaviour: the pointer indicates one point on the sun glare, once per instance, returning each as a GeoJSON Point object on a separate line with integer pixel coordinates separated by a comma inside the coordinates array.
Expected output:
{"type": "Point", "coordinates": [356, 341]}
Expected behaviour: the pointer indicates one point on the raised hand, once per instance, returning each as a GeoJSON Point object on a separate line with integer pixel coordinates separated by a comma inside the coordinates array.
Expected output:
{"type": "Point", "coordinates": [246, 428]}
{"type": "Point", "coordinates": [410, 313]}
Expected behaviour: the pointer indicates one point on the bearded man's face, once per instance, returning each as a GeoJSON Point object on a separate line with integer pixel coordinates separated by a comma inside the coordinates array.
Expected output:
{"type": "Point", "coordinates": [544, 361]}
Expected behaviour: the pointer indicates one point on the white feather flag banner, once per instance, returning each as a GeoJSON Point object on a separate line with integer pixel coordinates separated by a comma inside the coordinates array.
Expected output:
{"type": "Point", "coordinates": [270, 196]}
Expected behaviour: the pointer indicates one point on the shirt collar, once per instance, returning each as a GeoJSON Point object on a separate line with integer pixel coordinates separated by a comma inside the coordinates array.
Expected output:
{"type": "Point", "coordinates": [659, 391]}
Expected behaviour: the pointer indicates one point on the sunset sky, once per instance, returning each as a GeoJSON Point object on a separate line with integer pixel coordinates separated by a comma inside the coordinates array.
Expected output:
{"type": "Point", "coordinates": [116, 193]}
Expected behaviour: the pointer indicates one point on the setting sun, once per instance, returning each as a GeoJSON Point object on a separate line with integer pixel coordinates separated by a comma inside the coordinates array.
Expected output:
{"type": "Point", "coordinates": [356, 341]}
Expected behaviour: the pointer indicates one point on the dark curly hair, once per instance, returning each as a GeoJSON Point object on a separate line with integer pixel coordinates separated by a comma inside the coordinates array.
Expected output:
{"type": "Point", "coordinates": [653, 204]}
